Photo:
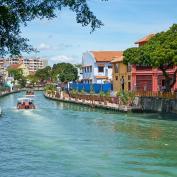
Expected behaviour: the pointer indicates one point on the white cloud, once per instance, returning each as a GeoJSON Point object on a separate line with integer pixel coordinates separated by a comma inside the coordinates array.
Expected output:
{"type": "Point", "coordinates": [60, 46]}
{"type": "Point", "coordinates": [63, 58]}
{"type": "Point", "coordinates": [44, 46]}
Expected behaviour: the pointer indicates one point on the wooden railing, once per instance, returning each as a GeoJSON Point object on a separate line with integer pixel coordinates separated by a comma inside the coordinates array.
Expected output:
{"type": "Point", "coordinates": [99, 99]}
{"type": "Point", "coordinates": [95, 98]}
{"type": "Point", "coordinates": [167, 95]}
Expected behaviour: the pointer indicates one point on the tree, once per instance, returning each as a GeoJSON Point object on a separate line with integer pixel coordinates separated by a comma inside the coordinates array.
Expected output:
{"type": "Point", "coordinates": [15, 13]}
{"type": "Point", "coordinates": [18, 76]}
{"type": "Point", "coordinates": [16, 73]}
{"type": "Point", "coordinates": [159, 52]}
{"type": "Point", "coordinates": [33, 79]}
{"type": "Point", "coordinates": [44, 74]}
{"type": "Point", "coordinates": [65, 72]}
{"type": "Point", "coordinates": [22, 81]}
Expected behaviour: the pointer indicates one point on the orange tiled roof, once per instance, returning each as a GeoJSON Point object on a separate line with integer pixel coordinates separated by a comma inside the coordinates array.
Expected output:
{"type": "Point", "coordinates": [101, 77]}
{"type": "Point", "coordinates": [15, 66]}
{"type": "Point", "coordinates": [106, 56]}
{"type": "Point", "coordinates": [145, 39]}
{"type": "Point", "coordinates": [117, 59]}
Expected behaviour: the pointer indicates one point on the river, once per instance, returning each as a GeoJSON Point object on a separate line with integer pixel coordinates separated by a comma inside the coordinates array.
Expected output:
{"type": "Point", "coordinates": [66, 140]}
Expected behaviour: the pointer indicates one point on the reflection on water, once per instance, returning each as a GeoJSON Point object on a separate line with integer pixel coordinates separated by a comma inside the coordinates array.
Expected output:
{"type": "Point", "coordinates": [67, 140]}
{"type": "Point", "coordinates": [82, 108]}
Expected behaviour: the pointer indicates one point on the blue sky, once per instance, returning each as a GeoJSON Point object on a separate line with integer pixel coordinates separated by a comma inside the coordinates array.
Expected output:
{"type": "Point", "coordinates": [125, 21]}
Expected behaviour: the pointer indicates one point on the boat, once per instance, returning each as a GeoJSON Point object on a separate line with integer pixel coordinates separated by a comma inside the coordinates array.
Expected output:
{"type": "Point", "coordinates": [29, 93]}
{"type": "Point", "coordinates": [25, 103]}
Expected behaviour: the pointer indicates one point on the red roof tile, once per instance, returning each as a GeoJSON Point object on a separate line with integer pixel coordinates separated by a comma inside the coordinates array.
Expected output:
{"type": "Point", "coordinates": [145, 39]}
{"type": "Point", "coordinates": [106, 56]}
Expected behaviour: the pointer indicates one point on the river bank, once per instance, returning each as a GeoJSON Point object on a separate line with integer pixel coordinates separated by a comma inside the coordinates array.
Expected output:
{"type": "Point", "coordinates": [96, 104]}
{"type": "Point", "coordinates": [5, 93]}
{"type": "Point", "coordinates": [141, 104]}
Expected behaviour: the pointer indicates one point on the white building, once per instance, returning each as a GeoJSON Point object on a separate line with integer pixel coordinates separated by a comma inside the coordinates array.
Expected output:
{"type": "Point", "coordinates": [97, 66]}
{"type": "Point", "coordinates": [80, 74]}
{"type": "Point", "coordinates": [34, 64]}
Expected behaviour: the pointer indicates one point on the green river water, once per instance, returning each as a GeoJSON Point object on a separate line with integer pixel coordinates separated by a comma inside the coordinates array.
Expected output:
{"type": "Point", "coordinates": [66, 140]}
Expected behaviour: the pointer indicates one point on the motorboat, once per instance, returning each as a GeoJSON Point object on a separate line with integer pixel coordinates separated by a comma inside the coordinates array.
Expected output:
{"type": "Point", "coordinates": [29, 93]}
{"type": "Point", "coordinates": [25, 103]}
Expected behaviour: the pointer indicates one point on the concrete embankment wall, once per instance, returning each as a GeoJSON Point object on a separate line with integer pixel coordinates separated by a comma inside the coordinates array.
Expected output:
{"type": "Point", "coordinates": [8, 93]}
{"type": "Point", "coordinates": [154, 104]}
{"type": "Point", "coordinates": [141, 104]}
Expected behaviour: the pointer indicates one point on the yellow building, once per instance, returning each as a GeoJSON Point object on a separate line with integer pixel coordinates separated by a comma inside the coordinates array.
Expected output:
{"type": "Point", "coordinates": [21, 66]}
{"type": "Point", "coordinates": [121, 75]}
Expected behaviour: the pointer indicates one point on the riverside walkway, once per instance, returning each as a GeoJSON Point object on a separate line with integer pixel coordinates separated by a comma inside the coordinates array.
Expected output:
{"type": "Point", "coordinates": [95, 103]}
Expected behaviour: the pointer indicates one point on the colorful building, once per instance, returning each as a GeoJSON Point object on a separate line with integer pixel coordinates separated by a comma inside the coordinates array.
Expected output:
{"type": "Point", "coordinates": [145, 78]}
{"type": "Point", "coordinates": [149, 79]}
{"type": "Point", "coordinates": [121, 75]}
{"type": "Point", "coordinates": [138, 77]}
{"type": "Point", "coordinates": [21, 66]}
{"type": "Point", "coordinates": [97, 66]}
{"type": "Point", "coordinates": [33, 64]}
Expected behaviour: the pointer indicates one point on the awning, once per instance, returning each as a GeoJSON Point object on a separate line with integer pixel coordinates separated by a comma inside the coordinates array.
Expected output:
{"type": "Point", "coordinates": [101, 77]}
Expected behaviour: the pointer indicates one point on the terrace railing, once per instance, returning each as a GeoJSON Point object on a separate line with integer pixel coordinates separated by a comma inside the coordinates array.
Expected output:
{"type": "Point", "coordinates": [167, 95]}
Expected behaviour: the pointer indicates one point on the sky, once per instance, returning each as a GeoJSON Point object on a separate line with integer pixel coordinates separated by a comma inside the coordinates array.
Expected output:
{"type": "Point", "coordinates": [125, 21]}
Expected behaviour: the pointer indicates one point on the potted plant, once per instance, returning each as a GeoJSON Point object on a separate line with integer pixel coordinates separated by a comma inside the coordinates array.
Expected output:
{"type": "Point", "coordinates": [101, 97]}
{"type": "Point", "coordinates": [82, 95]}
{"type": "Point", "coordinates": [107, 95]}
{"type": "Point", "coordinates": [131, 96]}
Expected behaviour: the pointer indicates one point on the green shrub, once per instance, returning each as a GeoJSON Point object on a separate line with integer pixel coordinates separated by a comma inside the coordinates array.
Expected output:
{"type": "Point", "coordinates": [50, 88]}
{"type": "Point", "coordinates": [107, 94]}
{"type": "Point", "coordinates": [126, 98]}
{"type": "Point", "coordinates": [102, 93]}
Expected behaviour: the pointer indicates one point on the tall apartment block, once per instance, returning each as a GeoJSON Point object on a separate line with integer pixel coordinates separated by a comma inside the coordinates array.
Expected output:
{"type": "Point", "coordinates": [33, 64]}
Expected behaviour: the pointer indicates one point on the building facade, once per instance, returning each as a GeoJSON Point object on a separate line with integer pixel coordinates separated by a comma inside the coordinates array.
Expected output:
{"type": "Point", "coordinates": [3, 72]}
{"type": "Point", "coordinates": [21, 66]}
{"type": "Point", "coordinates": [33, 64]}
{"type": "Point", "coordinates": [121, 75]}
{"type": "Point", "coordinates": [138, 77]}
{"type": "Point", "coordinates": [145, 78]}
{"type": "Point", "coordinates": [97, 66]}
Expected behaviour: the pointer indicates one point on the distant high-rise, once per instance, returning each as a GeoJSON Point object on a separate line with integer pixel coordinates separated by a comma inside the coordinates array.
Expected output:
{"type": "Point", "coordinates": [33, 64]}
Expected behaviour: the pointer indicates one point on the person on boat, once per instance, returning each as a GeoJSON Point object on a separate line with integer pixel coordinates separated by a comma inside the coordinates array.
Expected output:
{"type": "Point", "coordinates": [26, 105]}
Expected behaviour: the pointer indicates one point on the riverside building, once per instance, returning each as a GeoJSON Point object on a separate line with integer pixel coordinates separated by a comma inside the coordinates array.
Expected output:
{"type": "Point", "coordinates": [33, 64]}
{"type": "Point", "coordinates": [97, 66]}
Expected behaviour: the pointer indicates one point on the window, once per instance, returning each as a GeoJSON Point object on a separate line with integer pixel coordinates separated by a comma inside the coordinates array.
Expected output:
{"type": "Point", "coordinates": [116, 68]}
{"type": "Point", "coordinates": [129, 85]}
{"type": "Point", "coordinates": [100, 69]}
{"type": "Point", "coordinates": [90, 68]}
{"type": "Point", "coordinates": [129, 77]}
{"type": "Point", "coordinates": [110, 66]}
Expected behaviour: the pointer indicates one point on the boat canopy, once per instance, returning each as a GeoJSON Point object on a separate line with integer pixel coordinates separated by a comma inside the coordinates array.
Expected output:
{"type": "Point", "coordinates": [25, 99]}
